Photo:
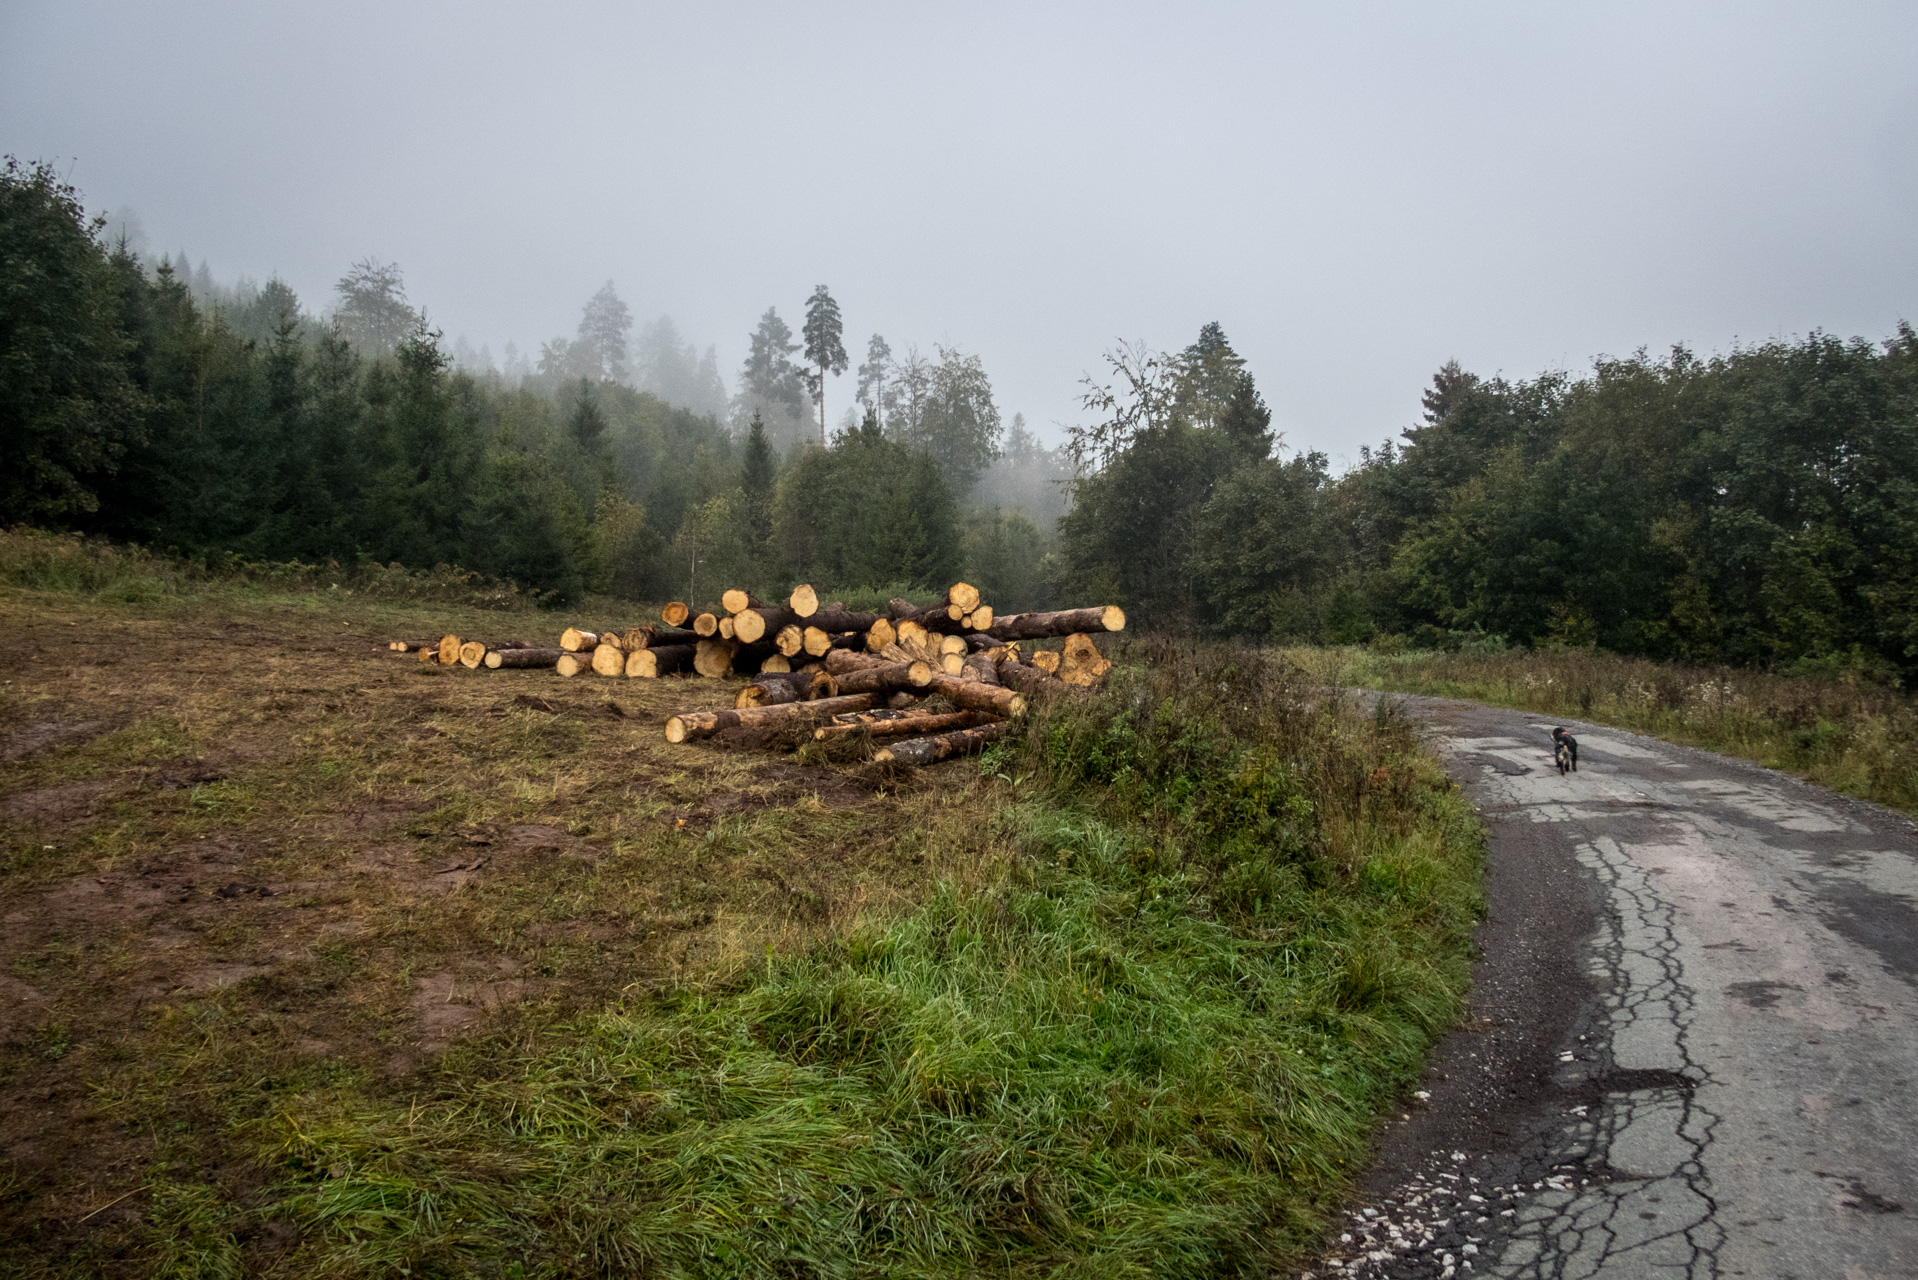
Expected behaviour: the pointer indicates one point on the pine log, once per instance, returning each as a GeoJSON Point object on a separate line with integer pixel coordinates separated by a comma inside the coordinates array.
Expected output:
{"type": "Point", "coordinates": [429, 653]}
{"type": "Point", "coordinates": [1046, 660]}
{"type": "Point", "coordinates": [760, 621]}
{"type": "Point", "coordinates": [952, 644]}
{"type": "Point", "coordinates": [1081, 663]}
{"type": "Point", "coordinates": [815, 641]}
{"type": "Point", "coordinates": [893, 726]}
{"type": "Point", "coordinates": [574, 664]}
{"type": "Point", "coordinates": [449, 650]}
{"type": "Point", "coordinates": [910, 632]}
{"type": "Point", "coordinates": [573, 640]}
{"type": "Point", "coordinates": [791, 640]}
{"type": "Point", "coordinates": [738, 600]}
{"type": "Point", "coordinates": [706, 626]}
{"type": "Point", "coordinates": [798, 686]}
{"type": "Point", "coordinates": [609, 660]}
{"type": "Point", "coordinates": [776, 662]}
{"type": "Point", "coordinates": [728, 629]}
{"type": "Point", "coordinates": [836, 617]}
{"type": "Point", "coordinates": [979, 619]}
{"type": "Point", "coordinates": [952, 664]}
{"type": "Point", "coordinates": [943, 746]}
{"type": "Point", "coordinates": [675, 614]}
{"type": "Point", "coordinates": [659, 660]}
{"type": "Point", "coordinates": [880, 634]}
{"type": "Point", "coordinates": [886, 677]}
{"type": "Point", "coordinates": [1031, 681]}
{"type": "Point", "coordinates": [412, 646]}
{"type": "Point", "coordinates": [648, 637]}
{"type": "Point", "coordinates": [714, 658]}
{"type": "Point", "coordinates": [1040, 626]}
{"type": "Point", "coordinates": [804, 601]}
{"type": "Point", "coordinates": [970, 695]}
{"type": "Point", "coordinates": [700, 724]}
{"type": "Point", "coordinates": [515, 659]}
{"type": "Point", "coordinates": [981, 668]}
{"type": "Point", "coordinates": [472, 653]}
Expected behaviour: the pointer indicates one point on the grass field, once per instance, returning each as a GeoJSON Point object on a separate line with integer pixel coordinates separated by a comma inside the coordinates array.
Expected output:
{"type": "Point", "coordinates": [1841, 732]}
{"type": "Point", "coordinates": [318, 962]}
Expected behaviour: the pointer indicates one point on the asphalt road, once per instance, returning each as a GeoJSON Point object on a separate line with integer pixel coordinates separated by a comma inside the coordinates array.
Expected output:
{"type": "Point", "coordinates": [1693, 1049]}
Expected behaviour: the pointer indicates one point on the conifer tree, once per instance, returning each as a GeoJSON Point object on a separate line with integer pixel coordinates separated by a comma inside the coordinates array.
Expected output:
{"type": "Point", "coordinates": [825, 347]}
{"type": "Point", "coordinates": [757, 475]}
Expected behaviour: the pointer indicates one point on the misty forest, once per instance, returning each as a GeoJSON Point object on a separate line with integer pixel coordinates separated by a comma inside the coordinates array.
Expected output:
{"type": "Point", "coordinates": [1758, 506]}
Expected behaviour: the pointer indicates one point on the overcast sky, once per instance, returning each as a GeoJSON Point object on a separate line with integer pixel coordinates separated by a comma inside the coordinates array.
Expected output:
{"type": "Point", "coordinates": [1357, 193]}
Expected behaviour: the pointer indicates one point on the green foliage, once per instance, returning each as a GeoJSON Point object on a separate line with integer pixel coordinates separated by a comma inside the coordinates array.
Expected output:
{"type": "Point", "coordinates": [1007, 558]}
{"type": "Point", "coordinates": [866, 510]}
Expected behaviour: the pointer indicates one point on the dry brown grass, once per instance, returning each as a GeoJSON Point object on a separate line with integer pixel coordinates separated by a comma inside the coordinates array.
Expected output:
{"type": "Point", "coordinates": [242, 861]}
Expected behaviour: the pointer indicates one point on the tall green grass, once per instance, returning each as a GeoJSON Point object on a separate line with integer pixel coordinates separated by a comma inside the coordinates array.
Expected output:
{"type": "Point", "coordinates": [1841, 731]}
{"type": "Point", "coordinates": [1227, 915]}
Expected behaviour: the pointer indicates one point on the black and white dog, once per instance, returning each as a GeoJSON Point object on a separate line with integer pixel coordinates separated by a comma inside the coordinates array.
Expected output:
{"type": "Point", "coordinates": [1564, 751]}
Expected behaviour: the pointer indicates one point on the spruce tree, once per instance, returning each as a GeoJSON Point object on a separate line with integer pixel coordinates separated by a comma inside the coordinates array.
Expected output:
{"type": "Point", "coordinates": [825, 348]}
{"type": "Point", "coordinates": [756, 477]}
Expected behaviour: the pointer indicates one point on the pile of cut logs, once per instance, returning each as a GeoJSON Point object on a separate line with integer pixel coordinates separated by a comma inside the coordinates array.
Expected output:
{"type": "Point", "coordinates": [836, 670]}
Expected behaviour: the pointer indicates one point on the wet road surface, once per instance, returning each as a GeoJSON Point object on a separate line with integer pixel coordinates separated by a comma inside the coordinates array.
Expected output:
{"type": "Point", "coordinates": [1693, 1049]}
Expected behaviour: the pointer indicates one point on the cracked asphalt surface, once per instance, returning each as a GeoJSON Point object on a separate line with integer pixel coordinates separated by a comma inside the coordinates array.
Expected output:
{"type": "Point", "coordinates": [1693, 1043]}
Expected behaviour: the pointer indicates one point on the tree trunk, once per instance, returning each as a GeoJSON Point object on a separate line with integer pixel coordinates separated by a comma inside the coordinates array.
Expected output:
{"type": "Point", "coordinates": [970, 695]}
{"type": "Point", "coordinates": [660, 660]}
{"type": "Point", "coordinates": [1031, 681]}
{"type": "Point", "coordinates": [675, 614]}
{"type": "Point", "coordinates": [886, 677]}
{"type": "Point", "coordinates": [921, 751]}
{"type": "Point", "coordinates": [1081, 662]}
{"type": "Point", "coordinates": [609, 660]}
{"type": "Point", "coordinates": [799, 686]}
{"type": "Point", "coordinates": [836, 617]}
{"type": "Point", "coordinates": [981, 668]}
{"type": "Point", "coordinates": [714, 658]}
{"type": "Point", "coordinates": [804, 601]}
{"type": "Point", "coordinates": [1040, 626]}
{"type": "Point", "coordinates": [706, 626]}
{"type": "Point", "coordinates": [648, 637]}
{"type": "Point", "coordinates": [700, 724]}
{"type": "Point", "coordinates": [515, 659]}
{"type": "Point", "coordinates": [894, 726]}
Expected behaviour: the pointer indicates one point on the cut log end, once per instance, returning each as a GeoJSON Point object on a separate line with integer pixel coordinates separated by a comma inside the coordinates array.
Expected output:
{"type": "Point", "coordinates": [472, 653]}
{"type": "Point", "coordinates": [804, 601]}
{"type": "Point", "coordinates": [706, 625]}
{"type": "Point", "coordinates": [675, 614]}
{"type": "Point", "coordinates": [449, 650]}
{"type": "Point", "coordinates": [735, 600]}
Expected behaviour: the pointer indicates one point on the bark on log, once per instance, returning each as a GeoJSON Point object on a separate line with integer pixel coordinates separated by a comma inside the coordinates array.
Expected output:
{"type": "Point", "coordinates": [609, 660]}
{"type": "Point", "coordinates": [516, 659]}
{"type": "Point", "coordinates": [472, 653]}
{"type": "Point", "coordinates": [648, 637]}
{"type": "Point", "coordinates": [943, 746]}
{"type": "Point", "coordinates": [659, 660]}
{"type": "Point", "coordinates": [981, 668]}
{"type": "Point", "coordinates": [886, 677]}
{"type": "Point", "coordinates": [804, 601]}
{"type": "Point", "coordinates": [706, 626]}
{"type": "Point", "coordinates": [836, 617]}
{"type": "Point", "coordinates": [574, 664]}
{"type": "Point", "coordinates": [714, 658]}
{"type": "Point", "coordinates": [896, 726]}
{"type": "Point", "coordinates": [700, 724]}
{"type": "Point", "coordinates": [809, 686]}
{"type": "Point", "coordinates": [449, 650]}
{"type": "Point", "coordinates": [1031, 681]}
{"type": "Point", "coordinates": [970, 695]}
{"type": "Point", "coordinates": [760, 621]}
{"type": "Point", "coordinates": [675, 614]}
{"type": "Point", "coordinates": [1040, 626]}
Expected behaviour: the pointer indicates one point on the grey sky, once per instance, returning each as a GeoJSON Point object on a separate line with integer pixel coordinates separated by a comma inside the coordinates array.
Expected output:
{"type": "Point", "coordinates": [1355, 192]}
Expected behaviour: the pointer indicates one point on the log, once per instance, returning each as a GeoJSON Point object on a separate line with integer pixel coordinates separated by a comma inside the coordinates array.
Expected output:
{"type": "Point", "coordinates": [880, 634]}
{"type": "Point", "coordinates": [1081, 663]}
{"type": "Point", "coordinates": [952, 664]}
{"type": "Point", "coordinates": [1046, 660]}
{"type": "Point", "coordinates": [943, 746]}
{"type": "Point", "coordinates": [776, 662]}
{"type": "Point", "coordinates": [757, 623]}
{"type": "Point", "coordinates": [413, 646]}
{"type": "Point", "coordinates": [886, 677]}
{"type": "Point", "coordinates": [449, 650]}
{"type": "Point", "coordinates": [430, 654]}
{"type": "Point", "coordinates": [980, 667]}
{"type": "Point", "coordinates": [675, 614]}
{"type": "Point", "coordinates": [472, 653]}
{"type": "Point", "coordinates": [609, 660]}
{"type": "Point", "coordinates": [714, 658]}
{"type": "Point", "coordinates": [573, 640]}
{"type": "Point", "coordinates": [893, 726]}
{"type": "Point", "coordinates": [970, 695]}
{"type": "Point", "coordinates": [815, 641]}
{"type": "Point", "coordinates": [738, 600]}
{"type": "Point", "coordinates": [1041, 626]}
{"type": "Point", "coordinates": [804, 601]}
{"type": "Point", "coordinates": [1031, 681]}
{"type": "Point", "coordinates": [573, 664]}
{"type": "Point", "coordinates": [706, 626]}
{"type": "Point", "coordinates": [700, 724]}
{"type": "Point", "coordinates": [728, 629]}
{"type": "Point", "coordinates": [979, 619]}
{"type": "Point", "coordinates": [516, 659]}
{"type": "Point", "coordinates": [659, 660]}
{"type": "Point", "coordinates": [791, 640]}
{"type": "Point", "coordinates": [837, 617]}
{"type": "Point", "coordinates": [767, 690]}
{"type": "Point", "coordinates": [647, 637]}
